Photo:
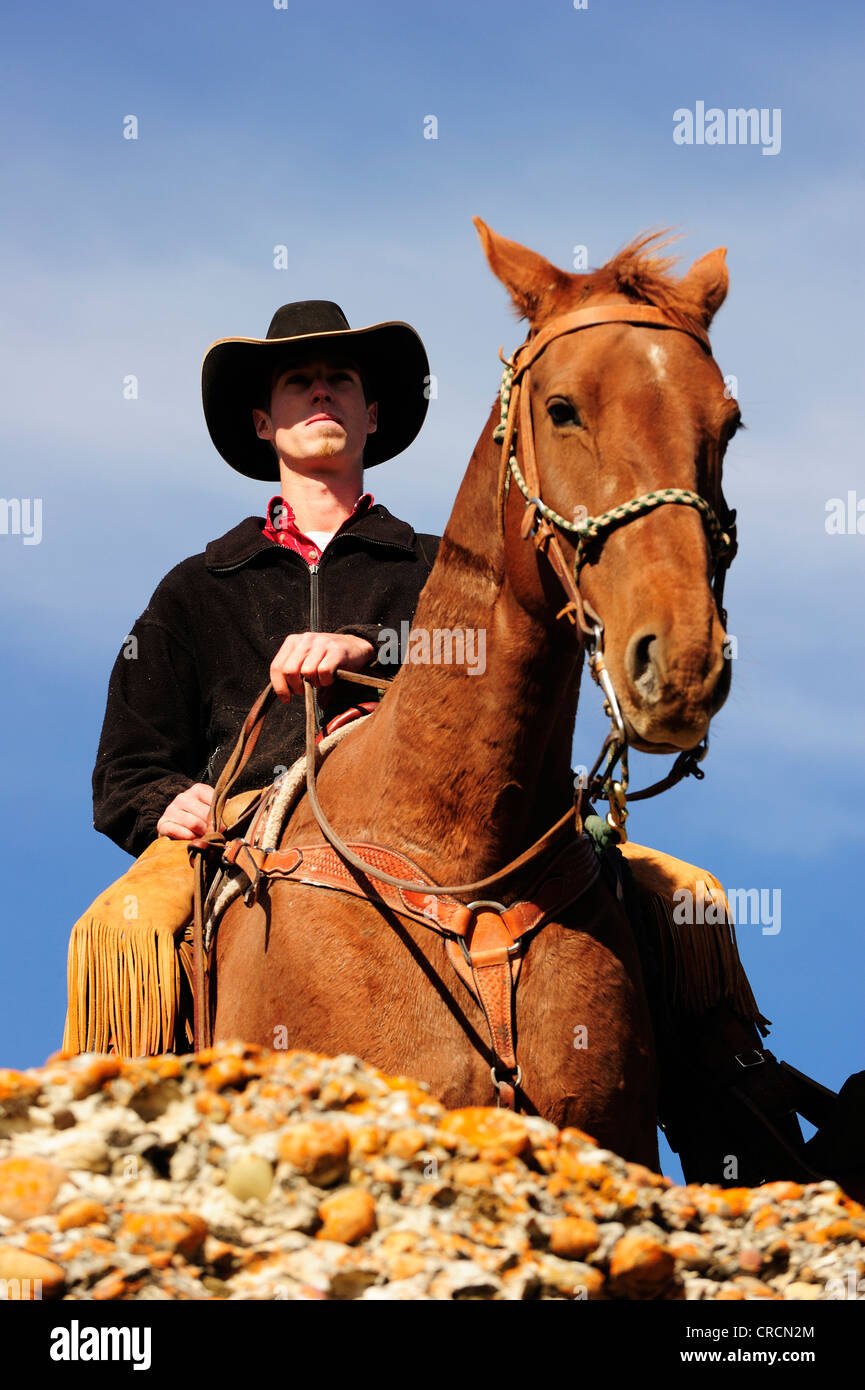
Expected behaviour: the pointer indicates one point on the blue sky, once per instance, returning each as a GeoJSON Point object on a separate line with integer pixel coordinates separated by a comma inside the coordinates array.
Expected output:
{"type": "Point", "coordinates": [304, 127]}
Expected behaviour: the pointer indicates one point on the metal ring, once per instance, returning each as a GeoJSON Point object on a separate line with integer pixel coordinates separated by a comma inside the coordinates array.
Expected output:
{"type": "Point", "coordinates": [518, 1076]}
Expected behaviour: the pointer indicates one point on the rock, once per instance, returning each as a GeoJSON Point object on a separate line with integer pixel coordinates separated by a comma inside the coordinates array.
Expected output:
{"type": "Point", "coordinates": [29, 1277]}
{"type": "Point", "coordinates": [347, 1216]}
{"type": "Point", "coordinates": [691, 1251]}
{"type": "Point", "coordinates": [318, 1150]}
{"type": "Point", "coordinates": [89, 1154]}
{"type": "Point", "coordinates": [91, 1072]}
{"type": "Point", "coordinates": [407, 1142]}
{"type": "Point", "coordinates": [28, 1186]}
{"type": "Point", "coordinates": [82, 1212]}
{"type": "Point", "coordinates": [803, 1292]}
{"type": "Point", "coordinates": [494, 1132]}
{"type": "Point", "coordinates": [249, 1176]}
{"type": "Point", "coordinates": [178, 1231]}
{"type": "Point", "coordinates": [18, 1091]}
{"type": "Point", "coordinates": [640, 1267]}
{"type": "Point", "coordinates": [572, 1238]}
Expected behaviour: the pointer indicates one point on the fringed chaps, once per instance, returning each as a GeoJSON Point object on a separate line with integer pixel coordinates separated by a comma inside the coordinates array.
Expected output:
{"type": "Point", "coordinates": [129, 967]}
{"type": "Point", "coordinates": [695, 936]}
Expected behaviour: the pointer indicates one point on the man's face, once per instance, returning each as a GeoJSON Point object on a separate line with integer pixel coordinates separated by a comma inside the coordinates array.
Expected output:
{"type": "Point", "coordinates": [317, 413]}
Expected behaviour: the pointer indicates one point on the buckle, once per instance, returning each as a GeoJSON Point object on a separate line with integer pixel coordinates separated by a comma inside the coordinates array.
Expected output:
{"type": "Point", "coordinates": [757, 1059]}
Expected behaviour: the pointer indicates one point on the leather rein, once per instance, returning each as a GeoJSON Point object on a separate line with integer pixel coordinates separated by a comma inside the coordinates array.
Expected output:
{"type": "Point", "coordinates": [485, 939]}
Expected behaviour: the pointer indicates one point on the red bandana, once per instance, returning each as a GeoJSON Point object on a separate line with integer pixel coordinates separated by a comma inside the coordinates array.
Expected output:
{"type": "Point", "coordinates": [282, 528]}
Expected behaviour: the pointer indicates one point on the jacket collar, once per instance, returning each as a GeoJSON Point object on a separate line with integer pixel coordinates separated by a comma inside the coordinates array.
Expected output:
{"type": "Point", "coordinates": [247, 539]}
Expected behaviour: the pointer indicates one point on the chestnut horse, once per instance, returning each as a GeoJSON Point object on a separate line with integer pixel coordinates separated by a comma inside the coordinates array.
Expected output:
{"type": "Point", "coordinates": [462, 771]}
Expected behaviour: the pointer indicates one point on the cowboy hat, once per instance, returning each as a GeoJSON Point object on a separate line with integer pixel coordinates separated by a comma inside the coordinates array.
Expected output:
{"type": "Point", "coordinates": [235, 375]}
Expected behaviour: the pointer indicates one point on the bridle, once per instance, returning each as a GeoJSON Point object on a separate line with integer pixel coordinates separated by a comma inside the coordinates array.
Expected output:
{"type": "Point", "coordinates": [540, 522]}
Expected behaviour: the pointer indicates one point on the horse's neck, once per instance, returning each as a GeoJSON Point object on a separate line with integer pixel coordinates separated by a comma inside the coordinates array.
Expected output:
{"type": "Point", "coordinates": [478, 765]}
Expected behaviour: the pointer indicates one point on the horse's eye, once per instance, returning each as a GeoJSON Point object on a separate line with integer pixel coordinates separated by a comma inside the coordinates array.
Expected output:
{"type": "Point", "coordinates": [562, 411]}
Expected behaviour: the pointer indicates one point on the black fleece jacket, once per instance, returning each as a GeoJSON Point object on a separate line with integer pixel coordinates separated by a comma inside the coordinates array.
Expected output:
{"type": "Point", "coordinates": [200, 653]}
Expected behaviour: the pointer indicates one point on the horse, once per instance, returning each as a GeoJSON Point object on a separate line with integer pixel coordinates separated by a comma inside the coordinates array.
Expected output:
{"type": "Point", "coordinates": [459, 770]}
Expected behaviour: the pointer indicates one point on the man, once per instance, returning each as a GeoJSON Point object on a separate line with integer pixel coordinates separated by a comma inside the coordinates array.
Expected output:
{"type": "Point", "coordinates": [297, 594]}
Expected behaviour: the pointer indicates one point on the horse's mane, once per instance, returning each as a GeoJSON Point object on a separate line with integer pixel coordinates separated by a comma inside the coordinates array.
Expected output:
{"type": "Point", "coordinates": [640, 273]}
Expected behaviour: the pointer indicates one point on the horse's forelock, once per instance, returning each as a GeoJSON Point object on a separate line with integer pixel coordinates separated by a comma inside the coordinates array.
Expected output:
{"type": "Point", "coordinates": [638, 272]}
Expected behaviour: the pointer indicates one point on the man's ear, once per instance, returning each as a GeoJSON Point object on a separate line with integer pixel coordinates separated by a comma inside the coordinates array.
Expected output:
{"type": "Point", "coordinates": [372, 417]}
{"type": "Point", "coordinates": [261, 421]}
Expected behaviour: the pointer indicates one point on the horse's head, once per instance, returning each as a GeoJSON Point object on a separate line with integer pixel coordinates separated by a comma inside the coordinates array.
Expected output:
{"type": "Point", "coordinates": [619, 411]}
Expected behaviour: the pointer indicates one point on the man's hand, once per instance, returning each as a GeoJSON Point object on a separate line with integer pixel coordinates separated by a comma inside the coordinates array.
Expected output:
{"type": "Point", "coordinates": [316, 655]}
{"type": "Point", "coordinates": [186, 816]}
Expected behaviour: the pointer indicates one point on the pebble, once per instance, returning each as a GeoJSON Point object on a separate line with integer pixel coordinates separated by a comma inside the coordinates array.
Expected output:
{"type": "Point", "coordinates": [249, 1176]}
{"type": "Point", "coordinates": [347, 1216]}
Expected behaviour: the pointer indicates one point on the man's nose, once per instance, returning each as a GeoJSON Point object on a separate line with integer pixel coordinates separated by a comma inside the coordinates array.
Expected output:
{"type": "Point", "coordinates": [320, 387]}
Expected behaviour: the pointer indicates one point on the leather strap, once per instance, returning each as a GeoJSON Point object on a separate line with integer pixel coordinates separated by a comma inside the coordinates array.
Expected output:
{"type": "Point", "coordinates": [485, 940]}
{"type": "Point", "coordinates": [562, 324]}
{"type": "Point", "coordinates": [569, 875]}
{"type": "Point", "coordinates": [544, 535]}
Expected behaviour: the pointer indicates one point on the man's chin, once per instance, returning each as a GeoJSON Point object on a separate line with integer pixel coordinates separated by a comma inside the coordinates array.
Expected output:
{"type": "Point", "coordinates": [326, 448]}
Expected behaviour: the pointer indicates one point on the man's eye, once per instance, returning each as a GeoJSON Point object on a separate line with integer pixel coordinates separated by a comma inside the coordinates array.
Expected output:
{"type": "Point", "coordinates": [562, 411]}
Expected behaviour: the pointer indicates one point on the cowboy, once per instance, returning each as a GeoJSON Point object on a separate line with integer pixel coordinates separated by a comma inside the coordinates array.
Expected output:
{"type": "Point", "coordinates": [297, 594]}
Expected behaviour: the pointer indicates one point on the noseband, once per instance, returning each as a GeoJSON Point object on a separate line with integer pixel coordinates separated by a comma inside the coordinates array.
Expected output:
{"type": "Point", "coordinates": [540, 520]}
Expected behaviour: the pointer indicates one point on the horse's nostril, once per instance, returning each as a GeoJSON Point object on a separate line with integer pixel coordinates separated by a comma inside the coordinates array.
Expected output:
{"type": "Point", "coordinates": [642, 658]}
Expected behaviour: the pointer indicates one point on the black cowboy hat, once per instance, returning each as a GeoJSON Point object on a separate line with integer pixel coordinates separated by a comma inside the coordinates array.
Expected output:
{"type": "Point", "coordinates": [235, 375]}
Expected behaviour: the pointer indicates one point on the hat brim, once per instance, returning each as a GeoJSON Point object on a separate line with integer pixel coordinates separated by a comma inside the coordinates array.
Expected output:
{"type": "Point", "coordinates": [390, 355]}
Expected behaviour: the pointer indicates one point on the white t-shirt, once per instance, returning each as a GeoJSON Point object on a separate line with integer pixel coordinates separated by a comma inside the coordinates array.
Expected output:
{"type": "Point", "coordinates": [321, 538]}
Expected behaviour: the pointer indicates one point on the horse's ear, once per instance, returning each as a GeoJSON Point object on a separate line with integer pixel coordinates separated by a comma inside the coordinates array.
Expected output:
{"type": "Point", "coordinates": [529, 278]}
{"type": "Point", "coordinates": [707, 282]}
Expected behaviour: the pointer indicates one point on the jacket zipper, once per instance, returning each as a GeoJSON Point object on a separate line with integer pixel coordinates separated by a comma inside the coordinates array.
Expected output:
{"type": "Point", "coordinates": [313, 627]}
{"type": "Point", "coordinates": [313, 592]}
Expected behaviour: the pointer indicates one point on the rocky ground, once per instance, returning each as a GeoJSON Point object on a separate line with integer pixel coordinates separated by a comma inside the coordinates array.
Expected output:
{"type": "Point", "coordinates": [246, 1174]}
